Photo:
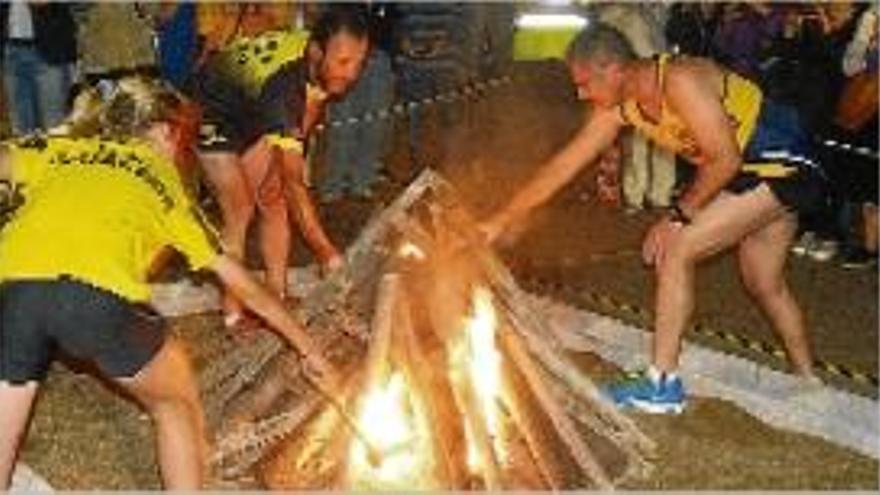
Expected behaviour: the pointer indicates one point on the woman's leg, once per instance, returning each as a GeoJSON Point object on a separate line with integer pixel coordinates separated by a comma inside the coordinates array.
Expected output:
{"type": "Point", "coordinates": [16, 401]}
{"type": "Point", "coordinates": [166, 387]}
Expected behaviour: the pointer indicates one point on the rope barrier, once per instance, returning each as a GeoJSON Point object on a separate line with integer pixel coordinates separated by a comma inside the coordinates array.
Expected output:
{"type": "Point", "coordinates": [738, 341]}
{"type": "Point", "coordinates": [608, 304]}
{"type": "Point", "coordinates": [471, 90]}
{"type": "Point", "coordinates": [858, 150]}
{"type": "Point", "coordinates": [741, 342]}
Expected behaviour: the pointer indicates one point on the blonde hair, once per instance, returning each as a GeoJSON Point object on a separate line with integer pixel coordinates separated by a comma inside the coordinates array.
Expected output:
{"type": "Point", "coordinates": [122, 109]}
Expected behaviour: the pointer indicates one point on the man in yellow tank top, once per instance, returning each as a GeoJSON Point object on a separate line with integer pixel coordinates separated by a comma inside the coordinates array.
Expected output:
{"type": "Point", "coordinates": [754, 173]}
{"type": "Point", "coordinates": [96, 212]}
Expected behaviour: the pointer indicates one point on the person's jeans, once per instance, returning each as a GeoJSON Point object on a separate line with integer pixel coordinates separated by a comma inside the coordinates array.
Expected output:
{"type": "Point", "coordinates": [36, 91]}
{"type": "Point", "coordinates": [354, 151]}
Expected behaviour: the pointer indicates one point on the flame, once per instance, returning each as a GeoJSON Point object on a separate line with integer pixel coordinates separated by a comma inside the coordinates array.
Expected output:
{"type": "Point", "coordinates": [410, 250]}
{"type": "Point", "coordinates": [394, 420]}
{"type": "Point", "coordinates": [476, 356]}
{"type": "Point", "coordinates": [397, 433]}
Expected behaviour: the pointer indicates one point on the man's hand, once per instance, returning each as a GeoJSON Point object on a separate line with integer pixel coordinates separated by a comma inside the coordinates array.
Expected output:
{"type": "Point", "coordinates": [332, 263]}
{"type": "Point", "coordinates": [657, 240]}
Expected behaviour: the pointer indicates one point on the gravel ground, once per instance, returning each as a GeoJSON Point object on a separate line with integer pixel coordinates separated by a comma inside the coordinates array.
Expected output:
{"type": "Point", "coordinates": [84, 438]}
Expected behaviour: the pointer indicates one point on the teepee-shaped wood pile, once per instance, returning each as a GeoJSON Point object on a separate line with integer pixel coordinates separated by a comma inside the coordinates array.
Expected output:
{"type": "Point", "coordinates": [451, 375]}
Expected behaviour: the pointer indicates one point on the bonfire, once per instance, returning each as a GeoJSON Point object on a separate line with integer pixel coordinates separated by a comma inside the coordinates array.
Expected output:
{"type": "Point", "coordinates": [452, 381]}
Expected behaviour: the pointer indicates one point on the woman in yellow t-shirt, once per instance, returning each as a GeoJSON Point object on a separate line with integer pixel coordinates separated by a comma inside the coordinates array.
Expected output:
{"type": "Point", "coordinates": [98, 207]}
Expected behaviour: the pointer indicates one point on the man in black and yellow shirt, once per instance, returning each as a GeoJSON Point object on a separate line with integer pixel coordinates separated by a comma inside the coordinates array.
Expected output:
{"type": "Point", "coordinates": [754, 173]}
{"type": "Point", "coordinates": [261, 97]}
{"type": "Point", "coordinates": [96, 213]}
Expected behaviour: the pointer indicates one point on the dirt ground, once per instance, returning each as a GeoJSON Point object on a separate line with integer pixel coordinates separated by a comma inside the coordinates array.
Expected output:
{"type": "Point", "coordinates": [84, 438]}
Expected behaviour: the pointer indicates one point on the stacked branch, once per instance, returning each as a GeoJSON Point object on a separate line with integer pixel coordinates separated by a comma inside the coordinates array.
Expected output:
{"type": "Point", "coordinates": [413, 273]}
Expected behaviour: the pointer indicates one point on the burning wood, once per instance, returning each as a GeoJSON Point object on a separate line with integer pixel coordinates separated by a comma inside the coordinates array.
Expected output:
{"type": "Point", "coordinates": [455, 383]}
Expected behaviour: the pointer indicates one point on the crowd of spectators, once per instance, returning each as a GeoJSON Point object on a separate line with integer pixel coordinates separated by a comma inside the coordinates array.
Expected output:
{"type": "Point", "coordinates": [819, 57]}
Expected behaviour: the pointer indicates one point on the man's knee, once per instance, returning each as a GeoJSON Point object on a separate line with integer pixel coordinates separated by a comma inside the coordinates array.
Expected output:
{"type": "Point", "coordinates": [271, 198]}
{"type": "Point", "coordinates": [763, 287]}
{"type": "Point", "coordinates": [678, 255]}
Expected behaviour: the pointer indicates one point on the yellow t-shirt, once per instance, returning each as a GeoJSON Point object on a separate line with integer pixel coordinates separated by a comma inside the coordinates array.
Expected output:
{"type": "Point", "coordinates": [99, 211]}
{"type": "Point", "coordinates": [250, 61]}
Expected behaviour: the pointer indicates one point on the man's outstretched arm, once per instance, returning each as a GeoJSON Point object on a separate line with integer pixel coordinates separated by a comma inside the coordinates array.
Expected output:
{"type": "Point", "coordinates": [599, 132]}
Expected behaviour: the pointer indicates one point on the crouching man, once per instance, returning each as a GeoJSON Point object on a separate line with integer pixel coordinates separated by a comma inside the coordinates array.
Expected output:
{"type": "Point", "coordinates": [754, 172]}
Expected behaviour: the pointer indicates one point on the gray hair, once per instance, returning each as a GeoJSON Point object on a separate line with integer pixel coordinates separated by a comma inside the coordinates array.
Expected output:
{"type": "Point", "coordinates": [599, 43]}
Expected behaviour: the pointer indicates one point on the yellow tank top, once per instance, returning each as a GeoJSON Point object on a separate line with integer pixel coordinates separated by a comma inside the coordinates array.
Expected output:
{"type": "Point", "coordinates": [741, 99]}
{"type": "Point", "coordinates": [250, 61]}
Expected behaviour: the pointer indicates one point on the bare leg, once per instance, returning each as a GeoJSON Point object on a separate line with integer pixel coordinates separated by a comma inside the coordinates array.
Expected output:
{"type": "Point", "coordinates": [230, 186]}
{"type": "Point", "coordinates": [302, 209]}
{"type": "Point", "coordinates": [762, 256]}
{"type": "Point", "coordinates": [166, 387]}
{"type": "Point", "coordinates": [15, 409]}
{"type": "Point", "coordinates": [635, 170]}
{"type": "Point", "coordinates": [720, 225]}
{"type": "Point", "coordinates": [264, 177]}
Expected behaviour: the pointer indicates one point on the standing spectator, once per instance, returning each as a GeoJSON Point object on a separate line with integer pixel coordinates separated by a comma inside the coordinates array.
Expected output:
{"type": "Point", "coordinates": [856, 118]}
{"type": "Point", "coordinates": [744, 35]}
{"type": "Point", "coordinates": [690, 27]}
{"type": "Point", "coordinates": [177, 42]}
{"type": "Point", "coordinates": [116, 39]}
{"type": "Point", "coordinates": [811, 49]}
{"type": "Point", "coordinates": [648, 172]}
{"type": "Point", "coordinates": [39, 48]}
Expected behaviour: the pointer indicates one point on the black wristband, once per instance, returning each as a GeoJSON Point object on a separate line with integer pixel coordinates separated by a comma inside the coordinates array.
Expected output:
{"type": "Point", "coordinates": [677, 215]}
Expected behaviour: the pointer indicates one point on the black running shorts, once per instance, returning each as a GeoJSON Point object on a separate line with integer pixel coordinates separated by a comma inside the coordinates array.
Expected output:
{"type": "Point", "coordinates": [83, 321]}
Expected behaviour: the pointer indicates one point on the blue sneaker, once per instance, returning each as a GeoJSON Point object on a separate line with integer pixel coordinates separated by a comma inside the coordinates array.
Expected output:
{"type": "Point", "coordinates": [657, 394]}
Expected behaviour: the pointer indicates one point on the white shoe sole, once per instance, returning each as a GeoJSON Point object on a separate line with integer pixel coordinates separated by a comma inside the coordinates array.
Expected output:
{"type": "Point", "coordinates": [655, 408]}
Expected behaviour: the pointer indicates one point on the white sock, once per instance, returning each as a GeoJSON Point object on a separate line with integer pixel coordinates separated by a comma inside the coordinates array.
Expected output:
{"type": "Point", "coordinates": [655, 374]}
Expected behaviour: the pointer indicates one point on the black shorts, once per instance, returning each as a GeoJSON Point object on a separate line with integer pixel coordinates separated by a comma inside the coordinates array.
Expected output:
{"type": "Point", "coordinates": [232, 119]}
{"type": "Point", "coordinates": [780, 139]}
{"type": "Point", "coordinates": [804, 192]}
{"type": "Point", "coordinates": [227, 114]}
{"type": "Point", "coordinates": [83, 321]}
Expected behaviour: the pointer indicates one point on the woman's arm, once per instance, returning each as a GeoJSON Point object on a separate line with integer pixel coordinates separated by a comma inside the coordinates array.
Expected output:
{"type": "Point", "coordinates": [259, 299]}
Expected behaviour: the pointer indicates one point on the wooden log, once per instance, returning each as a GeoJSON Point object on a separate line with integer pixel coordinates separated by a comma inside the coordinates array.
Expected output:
{"type": "Point", "coordinates": [466, 398]}
{"type": "Point", "coordinates": [236, 452]}
{"type": "Point", "coordinates": [424, 371]}
{"type": "Point", "coordinates": [580, 411]}
{"type": "Point", "coordinates": [575, 381]}
{"type": "Point", "coordinates": [376, 362]}
{"type": "Point", "coordinates": [528, 426]}
{"type": "Point", "coordinates": [519, 356]}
